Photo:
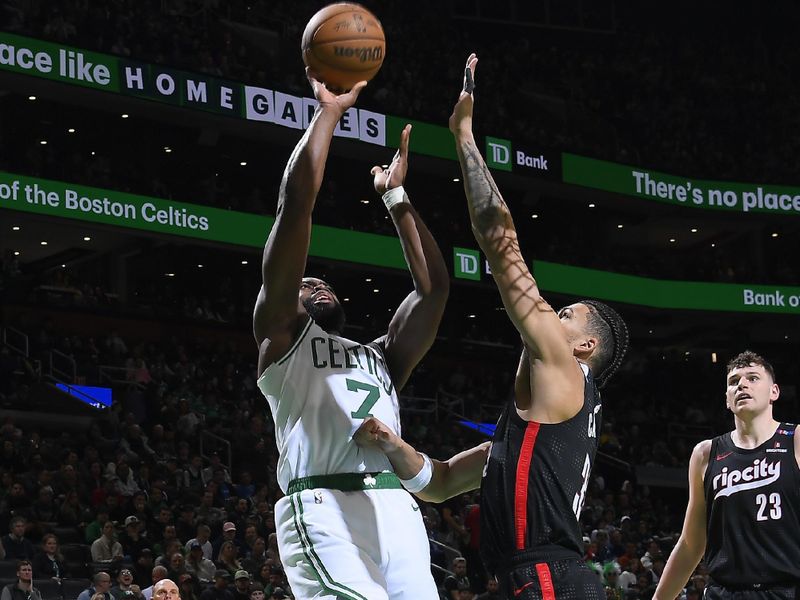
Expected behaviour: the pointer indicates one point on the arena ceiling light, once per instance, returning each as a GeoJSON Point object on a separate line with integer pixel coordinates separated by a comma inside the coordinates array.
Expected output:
{"type": "Point", "coordinates": [456, 180]}
{"type": "Point", "coordinates": [619, 226]}
{"type": "Point", "coordinates": [368, 279]}
{"type": "Point", "coordinates": [591, 205]}
{"type": "Point", "coordinates": [376, 290]}
{"type": "Point", "coordinates": [43, 243]}
{"type": "Point", "coordinates": [43, 142]}
{"type": "Point", "coordinates": [15, 228]}
{"type": "Point", "coordinates": [775, 234]}
{"type": "Point", "coordinates": [199, 266]}
{"type": "Point", "coordinates": [693, 230]}
{"type": "Point", "coordinates": [170, 274]}
{"type": "Point", "coordinates": [671, 240]}
{"type": "Point", "coordinates": [16, 252]}
{"type": "Point", "coordinates": [167, 149]}
{"type": "Point", "coordinates": [71, 130]}
{"type": "Point", "coordinates": [243, 163]}
{"type": "Point", "coordinates": [534, 216]}
{"type": "Point", "coordinates": [365, 202]}
{"type": "Point", "coordinates": [86, 238]}
{"type": "Point", "coordinates": [244, 262]}
{"type": "Point", "coordinates": [124, 115]}
{"type": "Point", "coordinates": [31, 97]}
{"type": "Point", "coordinates": [346, 300]}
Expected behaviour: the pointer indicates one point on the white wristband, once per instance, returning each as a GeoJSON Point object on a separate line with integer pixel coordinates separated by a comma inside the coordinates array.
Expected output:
{"type": "Point", "coordinates": [394, 196]}
{"type": "Point", "coordinates": [421, 480]}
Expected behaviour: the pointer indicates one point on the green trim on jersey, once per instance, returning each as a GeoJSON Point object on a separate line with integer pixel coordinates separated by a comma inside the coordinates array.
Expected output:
{"type": "Point", "coordinates": [320, 572]}
{"type": "Point", "coordinates": [346, 482]}
{"type": "Point", "coordinates": [294, 347]}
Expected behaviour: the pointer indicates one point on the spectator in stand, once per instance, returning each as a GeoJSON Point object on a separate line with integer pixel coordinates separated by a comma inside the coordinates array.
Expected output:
{"type": "Point", "coordinates": [126, 485]}
{"type": "Point", "coordinates": [124, 584]}
{"type": "Point", "coordinates": [228, 535]}
{"type": "Point", "coordinates": [248, 543]}
{"type": "Point", "coordinates": [241, 585]}
{"type": "Point", "coordinates": [256, 591]}
{"type": "Point", "coordinates": [132, 541]}
{"type": "Point", "coordinates": [48, 562]}
{"type": "Point", "coordinates": [188, 587]}
{"type": "Point", "coordinates": [168, 537]}
{"type": "Point", "coordinates": [630, 577]}
{"type": "Point", "coordinates": [245, 487]}
{"type": "Point", "coordinates": [95, 529]}
{"type": "Point", "coordinates": [177, 566]}
{"type": "Point", "coordinates": [101, 584]}
{"type": "Point", "coordinates": [458, 579]}
{"type": "Point", "coordinates": [193, 475]}
{"type": "Point", "coordinates": [106, 548]}
{"type": "Point", "coordinates": [215, 464]}
{"type": "Point", "coordinates": [227, 558]}
{"type": "Point", "coordinates": [15, 544]}
{"type": "Point", "coordinates": [220, 590]}
{"type": "Point", "coordinates": [186, 525]}
{"type": "Point", "coordinates": [208, 510]}
{"type": "Point", "coordinates": [44, 511]}
{"type": "Point", "coordinates": [257, 556]}
{"type": "Point", "coordinates": [202, 568]}
{"type": "Point", "coordinates": [203, 536]}
{"type": "Point", "coordinates": [23, 588]}
{"type": "Point", "coordinates": [492, 591]}
{"type": "Point", "coordinates": [157, 575]}
{"type": "Point", "coordinates": [143, 569]}
{"type": "Point", "coordinates": [165, 558]}
{"type": "Point", "coordinates": [72, 512]}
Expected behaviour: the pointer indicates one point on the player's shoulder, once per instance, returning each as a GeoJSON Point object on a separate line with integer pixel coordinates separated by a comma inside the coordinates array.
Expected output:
{"type": "Point", "coordinates": [702, 450]}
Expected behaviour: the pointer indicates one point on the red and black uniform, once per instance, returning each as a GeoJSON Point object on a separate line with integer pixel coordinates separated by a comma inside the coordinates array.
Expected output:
{"type": "Point", "coordinates": [532, 494]}
{"type": "Point", "coordinates": [753, 518]}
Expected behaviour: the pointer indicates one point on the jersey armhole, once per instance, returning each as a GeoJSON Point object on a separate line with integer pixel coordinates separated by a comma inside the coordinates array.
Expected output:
{"type": "Point", "coordinates": [292, 349]}
{"type": "Point", "coordinates": [711, 453]}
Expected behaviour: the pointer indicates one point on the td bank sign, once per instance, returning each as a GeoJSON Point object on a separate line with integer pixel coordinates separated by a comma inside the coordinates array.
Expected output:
{"type": "Point", "coordinates": [468, 264]}
{"type": "Point", "coordinates": [501, 156]}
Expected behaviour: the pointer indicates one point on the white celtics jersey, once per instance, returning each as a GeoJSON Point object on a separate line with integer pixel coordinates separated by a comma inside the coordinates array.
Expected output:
{"type": "Point", "coordinates": [319, 393]}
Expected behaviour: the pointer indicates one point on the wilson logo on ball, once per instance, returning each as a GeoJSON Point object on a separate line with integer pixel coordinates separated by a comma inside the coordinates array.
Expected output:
{"type": "Point", "coordinates": [363, 54]}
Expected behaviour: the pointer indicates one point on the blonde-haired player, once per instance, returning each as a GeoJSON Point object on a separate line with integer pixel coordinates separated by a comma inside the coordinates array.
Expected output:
{"type": "Point", "coordinates": [346, 527]}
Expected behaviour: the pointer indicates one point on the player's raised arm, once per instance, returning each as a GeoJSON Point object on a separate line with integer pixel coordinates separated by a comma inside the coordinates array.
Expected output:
{"type": "Point", "coordinates": [277, 307]}
{"type": "Point", "coordinates": [494, 230]}
{"type": "Point", "coordinates": [692, 543]}
{"type": "Point", "coordinates": [428, 479]}
{"type": "Point", "coordinates": [413, 328]}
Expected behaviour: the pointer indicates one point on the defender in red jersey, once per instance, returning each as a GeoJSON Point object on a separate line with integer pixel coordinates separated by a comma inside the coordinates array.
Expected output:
{"type": "Point", "coordinates": [534, 475]}
{"type": "Point", "coordinates": [744, 499]}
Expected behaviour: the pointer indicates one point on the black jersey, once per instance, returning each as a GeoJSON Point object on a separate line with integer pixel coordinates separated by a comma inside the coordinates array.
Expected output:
{"type": "Point", "coordinates": [535, 483]}
{"type": "Point", "coordinates": [753, 511]}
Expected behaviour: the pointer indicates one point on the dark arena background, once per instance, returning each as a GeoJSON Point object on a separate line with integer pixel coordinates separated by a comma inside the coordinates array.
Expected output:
{"type": "Point", "coordinates": [648, 153]}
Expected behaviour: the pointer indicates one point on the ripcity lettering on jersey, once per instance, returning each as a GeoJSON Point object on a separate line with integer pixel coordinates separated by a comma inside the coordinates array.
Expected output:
{"type": "Point", "coordinates": [731, 481]}
{"type": "Point", "coordinates": [330, 353]}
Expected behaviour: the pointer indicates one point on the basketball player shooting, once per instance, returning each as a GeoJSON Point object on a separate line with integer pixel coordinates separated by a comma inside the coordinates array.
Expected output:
{"type": "Point", "coordinates": [536, 471]}
{"type": "Point", "coordinates": [744, 499]}
{"type": "Point", "coordinates": [346, 527]}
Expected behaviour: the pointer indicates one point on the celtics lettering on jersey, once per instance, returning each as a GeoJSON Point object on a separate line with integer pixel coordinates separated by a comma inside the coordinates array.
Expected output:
{"type": "Point", "coordinates": [319, 394]}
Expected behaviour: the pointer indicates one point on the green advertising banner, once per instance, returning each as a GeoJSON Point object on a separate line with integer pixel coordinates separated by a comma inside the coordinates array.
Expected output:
{"type": "Point", "coordinates": [672, 189]}
{"type": "Point", "coordinates": [663, 293]}
{"type": "Point", "coordinates": [154, 215]}
{"type": "Point", "coordinates": [58, 199]}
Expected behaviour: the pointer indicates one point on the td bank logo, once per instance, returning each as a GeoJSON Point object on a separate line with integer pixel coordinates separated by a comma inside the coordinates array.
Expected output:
{"type": "Point", "coordinates": [466, 264]}
{"type": "Point", "coordinates": [498, 153]}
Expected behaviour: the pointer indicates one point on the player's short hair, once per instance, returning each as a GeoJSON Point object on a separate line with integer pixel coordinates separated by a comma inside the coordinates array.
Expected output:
{"type": "Point", "coordinates": [747, 358]}
{"type": "Point", "coordinates": [612, 333]}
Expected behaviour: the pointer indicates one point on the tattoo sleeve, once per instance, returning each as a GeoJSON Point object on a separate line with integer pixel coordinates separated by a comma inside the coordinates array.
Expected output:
{"type": "Point", "coordinates": [486, 206]}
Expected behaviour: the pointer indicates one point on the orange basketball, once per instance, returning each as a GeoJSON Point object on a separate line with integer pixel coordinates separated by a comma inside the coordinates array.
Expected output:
{"type": "Point", "coordinates": [344, 44]}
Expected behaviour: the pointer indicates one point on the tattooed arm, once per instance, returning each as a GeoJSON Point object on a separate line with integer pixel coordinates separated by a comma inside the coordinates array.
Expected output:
{"type": "Point", "coordinates": [493, 227]}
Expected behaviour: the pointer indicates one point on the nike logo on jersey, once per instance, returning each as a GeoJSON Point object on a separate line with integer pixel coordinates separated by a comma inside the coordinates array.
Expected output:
{"type": "Point", "coordinates": [518, 591]}
{"type": "Point", "coordinates": [722, 456]}
{"type": "Point", "coordinates": [760, 474]}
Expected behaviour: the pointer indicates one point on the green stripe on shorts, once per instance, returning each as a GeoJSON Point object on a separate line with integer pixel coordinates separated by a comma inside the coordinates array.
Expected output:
{"type": "Point", "coordinates": [320, 572]}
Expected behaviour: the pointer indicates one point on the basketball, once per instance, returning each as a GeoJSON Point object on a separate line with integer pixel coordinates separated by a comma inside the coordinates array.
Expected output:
{"type": "Point", "coordinates": [343, 44]}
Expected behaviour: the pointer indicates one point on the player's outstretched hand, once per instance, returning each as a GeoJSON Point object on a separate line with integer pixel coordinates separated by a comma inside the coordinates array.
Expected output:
{"type": "Point", "coordinates": [461, 119]}
{"type": "Point", "coordinates": [373, 433]}
{"type": "Point", "coordinates": [326, 97]}
{"type": "Point", "coordinates": [395, 174]}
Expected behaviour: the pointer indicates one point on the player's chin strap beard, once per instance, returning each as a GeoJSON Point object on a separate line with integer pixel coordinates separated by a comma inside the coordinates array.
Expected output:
{"type": "Point", "coordinates": [331, 319]}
